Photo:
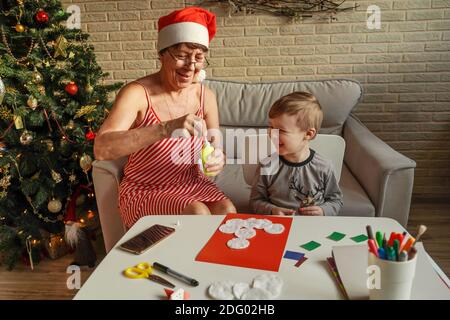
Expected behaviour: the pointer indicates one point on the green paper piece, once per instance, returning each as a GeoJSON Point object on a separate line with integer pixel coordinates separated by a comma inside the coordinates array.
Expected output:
{"type": "Point", "coordinates": [360, 238]}
{"type": "Point", "coordinates": [336, 236]}
{"type": "Point", "coordinates": [310, 246]}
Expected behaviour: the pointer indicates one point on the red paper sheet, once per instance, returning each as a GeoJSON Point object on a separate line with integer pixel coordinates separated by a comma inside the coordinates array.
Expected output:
{"type": "Point", "coordinates": [264, 252]}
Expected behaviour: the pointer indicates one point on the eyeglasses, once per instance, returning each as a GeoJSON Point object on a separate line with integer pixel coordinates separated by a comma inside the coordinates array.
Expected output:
{"type": "Point", "coordinates": [186, 61]}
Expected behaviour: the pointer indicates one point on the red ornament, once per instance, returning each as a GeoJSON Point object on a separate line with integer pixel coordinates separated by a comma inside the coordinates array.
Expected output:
{"type": "Point", "coordinates": [71, 88]}
{"type": "Point", "coordinates": [90, 135]}
{"type": "Point", "coordinates": [42, 16]}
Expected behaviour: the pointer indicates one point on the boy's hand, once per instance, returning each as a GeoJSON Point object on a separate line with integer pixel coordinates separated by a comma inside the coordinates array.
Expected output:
{"type": "Point", "coordinates": [311, 211]}
{"type": "Point", "coordinates": [277, 211]}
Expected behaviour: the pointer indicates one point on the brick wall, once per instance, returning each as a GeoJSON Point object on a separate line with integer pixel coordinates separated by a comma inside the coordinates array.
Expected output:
{"type": "Point", "coordinates": [404, 67]}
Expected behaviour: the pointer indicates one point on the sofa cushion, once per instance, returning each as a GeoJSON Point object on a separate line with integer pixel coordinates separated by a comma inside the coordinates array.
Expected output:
{"type": "Point", "coordinates": [231, 182]}
{"type": "Point", "coordinates": [356, 201]}
{"type": "Point", "coordinates": [247, 104]}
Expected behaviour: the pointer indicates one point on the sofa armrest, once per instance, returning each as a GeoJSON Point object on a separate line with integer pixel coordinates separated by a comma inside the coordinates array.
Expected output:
{"type": "Point", "coordinates": [113, 167]}
{"type": "Point", "coordinates": [385, 174]}
{"type": "Point", "coordinates": [107, 176]}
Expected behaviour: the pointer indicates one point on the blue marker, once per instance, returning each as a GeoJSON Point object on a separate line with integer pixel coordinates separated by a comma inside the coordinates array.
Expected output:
{"type": "Point", "coordinates": [381, 253]}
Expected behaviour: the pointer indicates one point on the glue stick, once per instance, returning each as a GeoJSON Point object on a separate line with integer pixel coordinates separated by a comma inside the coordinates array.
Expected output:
{"type": "Point", "coordinates": [206, 151]}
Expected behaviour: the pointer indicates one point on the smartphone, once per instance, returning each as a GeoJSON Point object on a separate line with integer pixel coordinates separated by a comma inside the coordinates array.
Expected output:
{"type": "Point", "coordinates": [147, 239]}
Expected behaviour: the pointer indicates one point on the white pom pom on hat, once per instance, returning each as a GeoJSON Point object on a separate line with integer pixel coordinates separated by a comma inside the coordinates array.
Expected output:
{"type": "Point", "coordinates": [201, 75]}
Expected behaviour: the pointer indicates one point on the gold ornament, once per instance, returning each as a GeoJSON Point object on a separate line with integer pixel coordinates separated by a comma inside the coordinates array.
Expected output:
{"type": "Point", "coordinates": [85, 110]}
{"type": "Point", "coordinates": [54, 206]}
{"type": "Point", "coordinates": [41, 90]}
{"type": "Point", "coordinates": [50, 146]}
{"type": "Point", "coordinates": [3, 194]}
{"type": "Point", "coordinates": [18, 123]}
{"type": "Point", "coordinates": [86, 162]}
{"type": "Point", "coordinates": [70, 125]}
{"type": "Point", "coordinates": [20, 28]}
{"type": "Point", "coordinates": [71, 55]}
{"type": "Point", "coordinates": [5, 182]}
{"type": "Point", "coordinates": [56, 176]}
{"type": "Point", "coordinates": [89, 88]}
{"type": "Point", "coordinates": [26, 138]}
{"type": "Point", "coordinates": [6, 114]}
{"type": "Point", "coordinates": [75, 156]}
{"type": "Point", "coordinates": [32, 102]}
{"type": "Point", "coordinates": [61, 46]}
{"type": "Point", "coordinates": [37, 76]}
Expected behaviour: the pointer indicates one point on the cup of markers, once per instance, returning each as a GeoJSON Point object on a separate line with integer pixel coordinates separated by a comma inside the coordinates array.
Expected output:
{"type": "Point", "coordinates": [396, 259]}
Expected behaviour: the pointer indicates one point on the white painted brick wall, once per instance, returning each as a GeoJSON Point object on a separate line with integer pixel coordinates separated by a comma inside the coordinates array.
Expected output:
{"type": "Point", "coordinates": [404, 67]}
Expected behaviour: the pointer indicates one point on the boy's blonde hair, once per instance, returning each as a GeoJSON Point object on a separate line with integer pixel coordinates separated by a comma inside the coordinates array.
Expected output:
{"type": "Point", "coordinates": [303, 104]}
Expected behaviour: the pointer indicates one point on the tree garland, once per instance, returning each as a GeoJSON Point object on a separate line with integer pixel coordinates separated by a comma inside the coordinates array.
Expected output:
{"type": "Point", "coordinates": [294, 9]}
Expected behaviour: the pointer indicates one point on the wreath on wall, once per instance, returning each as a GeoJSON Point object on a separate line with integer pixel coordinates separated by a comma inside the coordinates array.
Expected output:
{"type": "Point", "coordinates": [294, 9]}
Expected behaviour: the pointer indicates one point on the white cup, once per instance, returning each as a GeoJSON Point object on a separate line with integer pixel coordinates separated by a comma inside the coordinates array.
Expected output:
{"type": "Point", "coordinates": [396, 278]}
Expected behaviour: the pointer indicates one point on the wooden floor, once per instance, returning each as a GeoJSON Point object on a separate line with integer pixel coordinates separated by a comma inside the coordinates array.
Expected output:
{"type": "Point", "coordinates": [48, 280]}
{"type": "Point", "coordinates": [436, 240]}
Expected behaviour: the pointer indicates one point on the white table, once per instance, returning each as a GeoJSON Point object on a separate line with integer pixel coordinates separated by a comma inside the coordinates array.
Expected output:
{"type": "Point", "coordinates": [312, 280]}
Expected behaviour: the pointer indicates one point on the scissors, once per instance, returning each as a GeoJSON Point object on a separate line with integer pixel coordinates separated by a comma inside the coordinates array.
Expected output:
{"type": "Point", "coordinates": [145, 270]}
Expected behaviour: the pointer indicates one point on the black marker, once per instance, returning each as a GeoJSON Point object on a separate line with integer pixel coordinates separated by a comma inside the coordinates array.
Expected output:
{"type": "Point", "coordinates": [175, 274]}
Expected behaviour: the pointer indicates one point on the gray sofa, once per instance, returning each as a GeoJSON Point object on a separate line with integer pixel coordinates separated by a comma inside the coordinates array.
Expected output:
{"type": "Point", "coordinates": [376, 180]}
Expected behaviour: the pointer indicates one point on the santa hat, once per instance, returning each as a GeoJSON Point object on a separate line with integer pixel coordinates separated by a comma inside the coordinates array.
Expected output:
{"type": "Point", "coordinates": [191, 24]}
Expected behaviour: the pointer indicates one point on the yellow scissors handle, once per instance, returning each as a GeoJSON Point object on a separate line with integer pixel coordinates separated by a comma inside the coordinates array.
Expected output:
{"type": "Point", "coordinates": [142, 270]}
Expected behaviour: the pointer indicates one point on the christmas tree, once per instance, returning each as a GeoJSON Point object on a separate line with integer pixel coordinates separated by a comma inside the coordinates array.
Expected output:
{"type": "Point", "coordinates": [52, 101]}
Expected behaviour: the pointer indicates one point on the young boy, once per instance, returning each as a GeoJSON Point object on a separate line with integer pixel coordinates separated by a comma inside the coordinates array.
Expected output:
{"type": "Point", "coordinates": [304, 182]}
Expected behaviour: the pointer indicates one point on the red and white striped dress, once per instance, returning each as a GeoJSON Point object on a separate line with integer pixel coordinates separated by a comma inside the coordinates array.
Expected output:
{"type": "Point", "coordinates": [154, 183]}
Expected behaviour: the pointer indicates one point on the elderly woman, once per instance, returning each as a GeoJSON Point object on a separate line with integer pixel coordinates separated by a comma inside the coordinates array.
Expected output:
{"type": "Point", "coordinates": [162, 175]}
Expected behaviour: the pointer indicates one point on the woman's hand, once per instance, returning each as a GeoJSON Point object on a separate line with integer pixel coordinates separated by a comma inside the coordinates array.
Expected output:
{"type": "Point", "coordinates": [277, 211]}
{"type": "Point", "coordinates": [215, 162]}
{"type": "Point", "coordinates": [185, 126]}
{"type": "Point", "coordinates": [311, 211]}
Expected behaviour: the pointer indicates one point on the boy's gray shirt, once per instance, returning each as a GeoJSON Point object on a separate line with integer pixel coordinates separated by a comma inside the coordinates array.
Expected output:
{"type": "Point", "coordinates": [295, 185]}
